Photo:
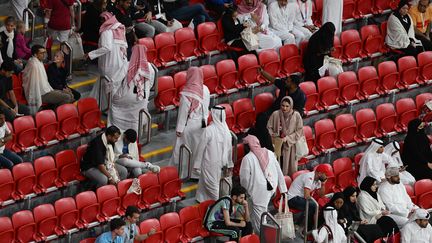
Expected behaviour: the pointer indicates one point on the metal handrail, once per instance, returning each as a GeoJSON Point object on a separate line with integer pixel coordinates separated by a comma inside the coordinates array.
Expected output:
{"type": "Point", "coordinates": [226, 182]}
{"type": "Point", "coordinates": [140, 126]}
{"type": "Point", "coordinates": [70, 56]}
{"type": "Point", "coordinates": [180, 164]}
{"type": "Point", "coordinates": [32, 15]}
{"type": "Point", "coordinates": [108, 80]}
{"type": "Point", "coordinates": [79, 7]}
{"type": "Point", "coordinates": [234, 144]}
{"type": "Point", "coordinates": [307, 216]}
{"type": "Point", "coordinates": [267, 214]}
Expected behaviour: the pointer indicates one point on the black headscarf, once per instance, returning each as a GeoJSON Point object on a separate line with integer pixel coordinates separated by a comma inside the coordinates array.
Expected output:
{"type": "Point", "coordinates": [366, 186]}
{"type": "Point", "coordinates": [350, 209]}
{"type": "Point", "coordinates": [260, 131]}
{"type": "Point", "coordinates": [336, 196]}
{"type": "Point", "coordinates": [405, 20]}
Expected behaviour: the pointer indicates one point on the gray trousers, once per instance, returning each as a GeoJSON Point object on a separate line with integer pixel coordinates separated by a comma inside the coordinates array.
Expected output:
{"type": "Point", "coordinates": [57, 97]}
{"type": "Point", "coordinates": [95, 175]}
{"type": "Point", "coordinates": [150, 29]}
{"type": "Point", "coordinates": [133, 166]}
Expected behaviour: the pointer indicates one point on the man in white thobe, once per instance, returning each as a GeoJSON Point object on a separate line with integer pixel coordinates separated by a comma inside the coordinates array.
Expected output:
{"type": "Point", "coordinates": [217, 157]}
{"type": "Point", "coordinates": [18, 7]}
{"type": "Point", "coordinates": [392, 149]}
{"type": "Point", "coordinates": [395, 197]}
{"type": "Point", "coordinates": [303, 25]}
{"type": "Point", "coordinates": [282, 16]}
{"type": "Point", "coordinates": [373, 161]}
{"type": "Point", "coordinates": [418, 230]}
{"type": "Point", "coordinates": [332, 12]}
{"type": "Point", "coordinates": [260, 174]}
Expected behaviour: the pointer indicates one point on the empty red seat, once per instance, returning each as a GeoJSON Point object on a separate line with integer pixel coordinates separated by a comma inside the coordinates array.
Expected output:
{"type": "Point", "coordinates": [410, 191]}
{"type": "Point", "coordinates": [269, 61]}
{"type": "Point", "coordinates": [228, 75]}
{"type": "Point", "coordinates": [328, 92]}
{"type": "Point", "coordinates": [244, 113]}
{"type": "Point", "coordinates": [25, 226]}
{"type": "Point", "coordinates": [211, 79]}
{"type": "Point", "coordinates": [371, 37]}
{"type": "Point", "coordinates": [166, 96]}
{"type": "Point", "coordinates": [366, 123]}
{"type": "Point", "coordinates": [381, 5]}
{"type": "Point", "coordinates": [290, 59]}
{"type": "Point", "coordinates": [68, 118]}
{"type": "Point", "coordinates": [151, 190]}
{"type": "Point", "coordinates": [46, 221]}
{"type": "Point", "coordinates": [263, 102]}
{"type": "Point", "coordinates": [187, 44]}
{"type": "Point", "coordinates": [253, 238]}
{"type": "Point", "coordinates": [369, 81]}
{"type": "Point", "coordinates": [425, 64]}
{"type": "Point", "coordinates": [7, 233]}
{"type": "Point", "coordinates": [409, 71]}
{"type": "Point", "coordinates": [325, 135]}
{"type": "Point", "coordinates": [108, 200]}
{"type": "Point", "coordinates": [25, 180]}
{"type": "Point", "coordinates": [166, 48]}
{"type": "Point", "coordinates": [179, 82]}
{"type": "Point", "coordinates": [248, 70]}
{"type": "Point", "coordinates": [312, 96]}
{"type": "Point", "coordinates": [25, 132]}
{"type": "Point", "coordinates": [389, 76]}
{"type": "Point", "coordinates": [387, 119]}
{"type": "Point", "coordinates": [147, 225]}
{"type": "Point", "coordinates": [127, 199]}
{"type": "Point", "coordinates": [364, 7]}
{"type": "Point", "coordinates": [344, 173]}
{"type": "Point", "coordinates": [349, 86]}
{"type": "Point", "coordinates": [310, 140]}
{"type": "Point", "coordinates": [151, 49]}
{"type": "Point", "coordinates": [406, 111]}
{"type": "Point", "coordinates": [47, 127]}
{"type": "Point", "coordinates": [68, 166]}
{"type": "Point", "coordinates": [7, 185]}
{"type": "Point", "coordinates": [229, 117]}
{"type": "Point", "coordinates": [208, 37]}
{"type": "Point", "coordinates": [349, 7]}
{"type": "Point", "coordinates": [67, 214]}
{"type": "Point", "coordinates": [90, 114]}
{"type": "Point", "coordinates": [352, 44]}
{"type": "Point", "coordinates": [88, 208]}
{"type": "Point", "coordinates": [338, 50]}
{"type": "Point", "coordinates": [170, 183]}
{"type": "Point", "coordinates": [191, 221]}
{"type": "Point", "coordinates": [423, 192]}
{"type": "Point", "coordinates": [171, 227]}
{"type": "Point", "coordinates": [346, 129]}
{"type": "Point", "coordinates": [46, 173]}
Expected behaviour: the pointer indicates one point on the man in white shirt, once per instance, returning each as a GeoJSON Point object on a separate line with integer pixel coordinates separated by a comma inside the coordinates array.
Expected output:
{"type": "Point", "coordinates": [303, 25]}
{"type": "Point", "coordinates": [282, 15]}
{"type": "Point", "coordinates": [395, 197]}
{"type": "Point", "coordinates": [7, 158]}
{"type": "Point", "coordinates": [418, 230]}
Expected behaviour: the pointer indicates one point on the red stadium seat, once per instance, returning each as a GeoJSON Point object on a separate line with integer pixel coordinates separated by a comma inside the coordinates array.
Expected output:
{"type": "Point", "coordinates": [303, 48]}
{"type": "Point", "coordinates": [263, 102]}
{"type": "Point", "coordinates": [179, 83]}
{"type": "Point", "coordinates": [317, 12]}
{"type": "Point", "coordinates": [349, 86]}
{"type": "Point", "coordinates": [47, 127]}
{"type": "Point", "coordinates": [425, 200]}
{"type": "Point", "coordinates": [422, 187]}
{"type": "Point", "coordinates": [228, 75]}
{"type": "Point", "coordinates": [127, 199]}
{"type": "Point", "coordinates": [211, 79]}
{"type": "Point", "coordinates": [244, 113]}
{"type": "Point", "coordinates": [25, 180]}
{"type": "Point", "coordinates": [325, 135]}
{"type": "Point", "coordinates": [7, 233]}
{"type": "Point", "coordinates": [367, 124]}
{"type": "Point", "coordinates": [166, 97]}
{"type": "Point", "coordinates": [171, 227]}
{"type": "Point", "coordinates": [371, 37]}
{"type": "Point", "coordinates": [409, 72]}
{"type": "Point", "coordinates": [187, 44]}
{"type": "Point", "coordinates": [191, 221]}
{"type": "Point", "coordinates": [67, 214]}
{"type": "Point", "coordinates": [108, 200]}
{"type": "Point", "coordinates": [146, 226]}
{"type": "Point", "coordinates": [230, 118]}
{"type": "Point", "coordinates": [291, 61]}
{"type": "Point", "coordinates": [307, 130]}
{"type": "Point", "coordinates": [26, 133]}
{"type": "Point", "coordinates": [88, 240]}
{"type": "Point", "coordinates": [10, 143]}
{"type": "Point", "coordinates": [338, 50]}
{"type": "Point", "coordinates": [88, 208]}
{"type": "Point", "coordinates": [364, 7]}
{"type": "Point", "coordinates": [421, 99]}
{"type": "Point", "coordinates": [369, 82]}
{"type": "Point", "coordinates": [387, 119]}
{"type": "Point", "coordinates": [68, 166]}
{"type": "Point", "coordinates": [346, 129]}
{"type": "Point", "coordinates": [269, 61]}
{"type": "Point", "coordinates": [17, 88]}
{"type": "Point", "coordinates": [46, 221]}
{"type": "Point", "coordinates": [7, 185]}
{"type": "Point", "coordinates": [253, 238]}
{"type": "Point", "coordinates": [277, 197]}
{"type": "Point", "coordinates": [68, 118]}
{"type": "Point", "coordinates": [381, 5]}
{"type": "Point", "coordinates": [208, 37]}
{"type": "Point", "coordinates": [80, 152]}
{"type": "Point", "coordinates": [389, 76]}
{"type": "Point", "coordinates": [166, 48]}
{"type": "Point", "coordinates": [248, 69]}
{"type": "Point", "coordinates": [204, 206]}
{"type": "Point", "coordinates": [25, 226]}
{"type": "Point", "coordinates": [151, 190]}
{"type": "Point", "coordinates": [329, 92]}
{"type": "Point", "coordinates": [410, 190]}
{"type": "Point", "coordinates": [344, 173]}
{"type": "Point", "coordinates": [90, 114]}
{"type": "Point", "coordinates": [312, 96]}
{"type": "Point", "coordinates": [46, 173]}
{"type": "Point", "coordinates": [352, 44]}
{"type": "Point", "coordinates": [297, 173]}
{"type": "Point", "coordinates": [170, 183]}
{"type": "Point", "coordinates": [406, 111]}
{"type": "Point", "coordinates": [349, 7]}
{"type": "Point", "coordinates": [151, 50]}
{"type": "Point", "coordinates": [425, 64]}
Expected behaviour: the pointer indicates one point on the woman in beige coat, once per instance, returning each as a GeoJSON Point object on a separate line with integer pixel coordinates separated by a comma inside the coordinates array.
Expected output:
{"type": "Point", "coordinates": [286, 128]}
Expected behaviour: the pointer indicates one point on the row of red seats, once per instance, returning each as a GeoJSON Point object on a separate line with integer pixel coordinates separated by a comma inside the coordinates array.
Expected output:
{"type": "Point", "coordinates": [89, 208]}
{"type": "Point", "coordinates": [48, 126]}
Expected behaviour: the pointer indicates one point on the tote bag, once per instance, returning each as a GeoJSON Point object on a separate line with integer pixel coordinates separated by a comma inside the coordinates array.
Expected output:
{"type": "Point", "coordinates": [285, 220]}
{"type": "Point", "coordinates": [301, 147]}
{"type": "Point", "coordinates": [76, 43]}
{"type": "Point", "coordinates": [249, 39]}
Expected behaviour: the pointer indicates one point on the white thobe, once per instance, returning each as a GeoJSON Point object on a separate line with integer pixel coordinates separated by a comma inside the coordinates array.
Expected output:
{"type": "Point", "coordinates": [18, 7]}
{"type": "Point", "coordinates": [370, 208]}
{"type": "Point", "coordinates": [191, 128]}
{"type": "Point", "coordinates": [413, 233]}
{"type": "Point", "coordinates": [332, 12]}
{"type": "Point", "coordinates": [373, 165]}
{"type": "Point", "coordinates": [282, 21]}
{"type": "Point", "coordinates": [405, 177]}
{"type": "Point", "coordinates": [267, 40]}
{"type": "Point", "coordinates": [303, 17]}
{"type": "Point", "coordinates": [252, 178]}
{"type": "Point", "coordinates": [217, 154]}
{"type": "Point", "coordinates": [112, 62]}
{"type": "Point", "coordinates": [125, 105]}
{"type": "Point", "coordinates": [397, 201]}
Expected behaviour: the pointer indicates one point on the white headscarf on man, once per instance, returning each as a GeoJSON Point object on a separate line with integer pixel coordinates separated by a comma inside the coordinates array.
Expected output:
{"type": "Point", "coordinates": [372, 163]}
{"type": "Point", "coordinates": [338, 233]}
{"type": "Point", "coordinates": [393, 150]}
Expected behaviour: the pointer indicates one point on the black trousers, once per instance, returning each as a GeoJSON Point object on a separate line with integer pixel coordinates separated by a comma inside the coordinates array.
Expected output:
{"type": "Point", "coordinates": [427, 44]}
{"type": "Point", "coordinates": [232, 231]}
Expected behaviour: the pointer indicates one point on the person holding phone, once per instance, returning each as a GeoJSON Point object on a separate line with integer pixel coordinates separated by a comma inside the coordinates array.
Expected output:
{"type": "Point", "coordinates": [392, 149]}
{"type": "Point", "coordinates": [218, 6]}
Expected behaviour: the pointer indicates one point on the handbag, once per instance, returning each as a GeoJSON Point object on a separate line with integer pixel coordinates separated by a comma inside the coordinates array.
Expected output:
{"type": "Point", "coordinates": [285, 220]}
{"type": "Point", "coordinates": [75, 42]}
{"type": "Point", "coordinates": [334, 66]}
{"type": "Point", "coordinates": [249, 39]}
{"type": "Point", "coordinates": [301, 147]}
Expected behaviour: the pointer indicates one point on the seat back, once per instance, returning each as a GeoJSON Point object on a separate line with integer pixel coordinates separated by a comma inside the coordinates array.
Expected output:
{"type": "Point", "coordinates": [244, 113]}
{"type": "Point", "coordinates": [248, 68]}
{"type": "Point", "coordinates": [87, 206]}
{"type": "Point", "coordinates": [67, 213]}
{"type": "Point", "coordinates": [90, 114]}
{"type": "Point", "coordinates": [328, 91]}
{"type": "Point", "coordinates": [45, 219]}
{"type": "Point", "coordinates": [263, 102]}
{"type": "Point", "coordinates": [371, 38]}
{"type": "Point", "coordinates": [25, 131]}
{"type": "Point", "coordinates": [229, 116]}
{"type": "Point", "coordinates": [108, 199]}
{"type": "Point", "coordinates": [290, 59]}
{"type": "Point", "coordinates": [227, 73]}
{"type": "Point", "coordinates": [211, 79]}
{"type": "Point", "coordinates": [346, 128]}
{"type": "Point", "coordinates": [166, 92]}
{"type": "Point", "coordinates": [408, 69]}
{"type": "Point", "coordinates": [307, 130]}
{"type": "Point", "coordinates": [151, 188]}
{"type": "Point", "coordinates": [191, 221]}
{"type": "Point", "coordinates": [186, 42]}
{"type": "Point", "coordinates": [68, 118]}
{"type": "Point", "coordinates": [348, 85]}
{"type": "Point", "coordinates": [366, 123]}
{"type": "Point", "coordinates": [425, 63]}
{"type": "Point", "coordinates": [365, 7]}
{"type": "Point", "coordinates": [349, 7]}
{"type": "Point", "coordinates": [369, 81]}
{"type": "Point", "coordinates": [386, 116]}
{"type": "Point", "coordinates": [166, 46]}
{"type": "Point", "coordinates": [7, 185]}
{"type": "Point", "coordinates": [47, 126]}
{"type": "Point", "coordinates": [24, 225]}
{"type": "Point", "coordinates": [171, 227]}
{"type": "Point", "coordinates": [269, 60]}
{"type": "Point", "coordinates": [312, 96]}
{"type": "Point", "coordinates": [147, 225]}
{"type": "Point", "coordinates": [406, 111]}
{"type": "Point", "coordinates": [7, 233]}
{"type": "Point", "coordinates": [151, 48]}
{"type": "Point", "coordinates": [325, 134]}
{"type": "Point", "coordinates": [351, 43]}
{"type": "Point", "coordinates": [208, 37]}
{"type": "Point", "coordinates": [46, 172]}
{"type": "Point", "coordinates": [24, 178]}
{"type": "Point", "coordinates": [388, 75]}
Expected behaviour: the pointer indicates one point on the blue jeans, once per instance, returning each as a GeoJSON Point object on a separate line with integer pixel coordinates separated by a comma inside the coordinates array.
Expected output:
{"type": "Point", "coordinates": [299, 203]}
{"type": "Point", "coordinates": [8, 159]}
{"type": "Point", "coordinates": [196, 12]}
